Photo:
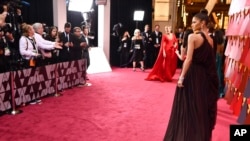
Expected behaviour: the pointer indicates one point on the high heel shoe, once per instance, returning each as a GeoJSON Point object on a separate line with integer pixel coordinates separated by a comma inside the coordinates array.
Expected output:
{"type": "Point", "coordinates": [134, 69]}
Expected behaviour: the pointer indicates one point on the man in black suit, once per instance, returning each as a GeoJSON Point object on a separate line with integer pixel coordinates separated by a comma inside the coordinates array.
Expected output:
{"type": "Point", "coordinates": [156, 39]}
{"type": "Point", "coordinates": [147, 41]}
{"type": "Point", "coordinates": [65, 38]}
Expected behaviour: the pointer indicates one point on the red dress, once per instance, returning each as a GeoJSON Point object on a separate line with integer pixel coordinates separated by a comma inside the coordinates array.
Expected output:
{"type": "Point", "coordinates": [164, 68]}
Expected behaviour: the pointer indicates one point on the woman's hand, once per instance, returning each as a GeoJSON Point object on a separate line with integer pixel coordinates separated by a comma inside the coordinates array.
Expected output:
{"type": "Point", "coordinates": [57, 45]}
{"type": "Point", "coordinates": [180, 82]}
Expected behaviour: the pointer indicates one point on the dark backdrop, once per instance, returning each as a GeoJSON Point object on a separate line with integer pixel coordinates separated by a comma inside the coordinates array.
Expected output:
{"type": "Point", "coordinates": [38, 11]}
{"type": "Point", "coordinates": [123, 10]}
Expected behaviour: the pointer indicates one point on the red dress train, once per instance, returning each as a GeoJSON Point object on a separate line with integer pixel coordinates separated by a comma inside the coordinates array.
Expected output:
{"type": "Point", "coordinates": [164, 68]}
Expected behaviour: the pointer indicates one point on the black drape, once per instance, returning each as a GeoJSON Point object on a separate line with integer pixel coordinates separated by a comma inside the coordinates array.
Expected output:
{"type": "Point", "coordinates": [38, 11]}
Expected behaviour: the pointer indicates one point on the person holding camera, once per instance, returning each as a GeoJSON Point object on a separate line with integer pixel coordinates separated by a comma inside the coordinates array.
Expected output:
{"type": "Point", "coordinates": [28, 46]}
{"type": "Point", "coordinates": [44, 45]}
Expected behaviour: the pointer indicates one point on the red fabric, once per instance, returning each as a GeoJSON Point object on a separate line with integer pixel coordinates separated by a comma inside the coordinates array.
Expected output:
{"type": "Point", "coordinates": [247, 31]}
{"type": "Point", "coordinates": [234, 101]}
{"type": "Point", "coordinates": [229, 46]}
{"type": "Point", "coordinates": [226, 64]}
{"type": "Point", "coordinates": [246, 61]}
{"type": "Point", "coordinates": [234, 72]}
{"type": "Point", "coordinates": [164, 68]}
{"type": "Point", "coordinates": [229, 94]}
{"type": "Point", "coordinates": [239, 49]}
{"type": "Point", "coordinates": [239, 20]}
{"type": "Point", "coordinates": [238, 105]}
{"type": "Point", "coordinates": [244, 26]}
{"type": "Point", "coordinates": [237, 80]}
{"type": "Point", "coordinates": [245, 49]}
{"type": "Point", "coordinates": [231, 24]}
{"type": "Point", "coordinates": [244, 80]}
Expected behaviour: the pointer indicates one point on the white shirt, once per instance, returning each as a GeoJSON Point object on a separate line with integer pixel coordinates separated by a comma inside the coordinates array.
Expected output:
{"type": "Point", "coordinates": [42, 43]}
{"type": "Point", "coordinates": [26, 48]}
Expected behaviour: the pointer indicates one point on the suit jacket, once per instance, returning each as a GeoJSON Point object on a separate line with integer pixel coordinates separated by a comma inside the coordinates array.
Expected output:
{"type": "Point", "coordinates": [65, 53]}
{"type": "Point", "coordinates": [147, 39]}
{"type": "Point", "coordinates": [156, 39]}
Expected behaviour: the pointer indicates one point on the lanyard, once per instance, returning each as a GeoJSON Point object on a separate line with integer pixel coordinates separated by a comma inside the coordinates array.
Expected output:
{"type": "Point", "coordinates": [33, 42]}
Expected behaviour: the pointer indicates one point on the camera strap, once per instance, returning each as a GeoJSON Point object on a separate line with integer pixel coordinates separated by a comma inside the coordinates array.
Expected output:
{"type": "Point", "coordinates": [33, 42]}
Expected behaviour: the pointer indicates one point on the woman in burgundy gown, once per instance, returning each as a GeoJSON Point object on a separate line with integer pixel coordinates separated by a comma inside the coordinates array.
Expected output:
{"type": "Point", "coordinates": [166, 63]}
{"type": "Point", "coordinates": [194, 108]}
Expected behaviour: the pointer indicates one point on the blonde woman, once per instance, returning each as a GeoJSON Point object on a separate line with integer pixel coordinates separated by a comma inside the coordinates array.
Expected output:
{"type": "Point", "coordinates": [138, 49]}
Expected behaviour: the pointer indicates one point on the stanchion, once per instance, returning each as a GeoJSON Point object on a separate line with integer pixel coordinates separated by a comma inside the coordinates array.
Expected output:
{"type": "Point", "coordinates": [14, 111]}
{"type": "Point", "coordinates": [56, 82]}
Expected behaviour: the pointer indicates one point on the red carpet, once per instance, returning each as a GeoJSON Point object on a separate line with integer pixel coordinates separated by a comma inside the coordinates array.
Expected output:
{"type": "Point", "coordinates": [119, 106]}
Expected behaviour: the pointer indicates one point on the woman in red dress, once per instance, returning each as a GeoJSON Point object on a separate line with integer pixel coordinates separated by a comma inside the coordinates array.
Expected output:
{"type": "Point", "coordinates": [166, 63]}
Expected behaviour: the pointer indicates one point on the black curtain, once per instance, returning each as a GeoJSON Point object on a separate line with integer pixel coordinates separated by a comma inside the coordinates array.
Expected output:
{"type": "Point", "coordinates": [122, 11]}
{"type": "Point", "coordinates": [38, 11]}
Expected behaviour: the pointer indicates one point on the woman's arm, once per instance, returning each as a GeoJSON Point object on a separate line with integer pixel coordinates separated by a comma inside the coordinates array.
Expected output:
{"type": "Point", "coordinates": [175, 41]}
{"type": "Point", "coordinates": [181, 55]}
{"type": "Point", "coordinates": [188, 60]}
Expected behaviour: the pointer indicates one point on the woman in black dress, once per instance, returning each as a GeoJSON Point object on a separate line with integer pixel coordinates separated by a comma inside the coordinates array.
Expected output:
{"type": "Point", "coordinates": [195, 103]}
{"type": "Point", "coordinates": [138, 49]}
{"type": "Point", "coordinates": [124, 49]}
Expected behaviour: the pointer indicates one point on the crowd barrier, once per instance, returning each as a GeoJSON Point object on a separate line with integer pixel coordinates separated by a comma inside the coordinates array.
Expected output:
{"type": "Point", "coordinates": [22, 86]}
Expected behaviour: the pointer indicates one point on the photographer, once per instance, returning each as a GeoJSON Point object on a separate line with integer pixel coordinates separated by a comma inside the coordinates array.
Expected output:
{"type": "Point", "coordinates": [28, 46]}
{"type": "Point", "coordinates": [10, 21]}
{"type": "Point", "coordinates": [13, 19]}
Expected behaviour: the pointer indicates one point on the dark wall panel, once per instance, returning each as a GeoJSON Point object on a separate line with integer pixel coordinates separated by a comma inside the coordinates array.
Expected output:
{"type": "Point", "coordinates": [38, 11]}
{"type": "Point", "coordinates": [123, 10]}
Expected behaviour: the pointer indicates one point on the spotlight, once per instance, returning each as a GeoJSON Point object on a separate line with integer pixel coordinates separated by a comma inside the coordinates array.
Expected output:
{"type": "Point", "coordinates": [138, 16]}
{"type": "Point", "coordinates": [80, 5]}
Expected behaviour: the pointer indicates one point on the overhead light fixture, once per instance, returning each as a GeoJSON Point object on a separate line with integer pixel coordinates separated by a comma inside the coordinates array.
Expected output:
{"type": "Point", "coordinates": [138, 15]}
